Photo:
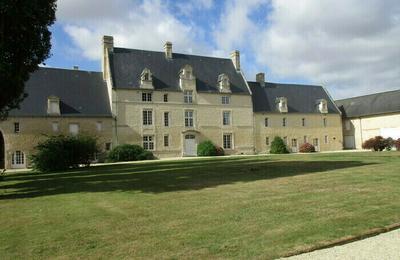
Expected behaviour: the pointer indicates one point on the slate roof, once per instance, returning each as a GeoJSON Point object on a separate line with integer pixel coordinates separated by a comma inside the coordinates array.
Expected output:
{"type": "Point", "coordinates": [374, 104]}
{"type": "Point", "coordinates": [81, 93]}
{"type": "Point", "coordinates": [300, 98]}
{"type": "Point", "coordinates": [128, 64]}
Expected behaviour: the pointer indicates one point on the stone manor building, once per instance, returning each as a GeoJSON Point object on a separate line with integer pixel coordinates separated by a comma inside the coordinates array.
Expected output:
{"type": "Point", "coordinates": [168, 103]}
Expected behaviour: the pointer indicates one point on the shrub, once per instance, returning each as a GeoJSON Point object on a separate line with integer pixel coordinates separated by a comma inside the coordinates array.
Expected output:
{"type": "Point", "coordinates": [206, 148]}
{"type": "Point", "coordinates": [278, 146]}
{"type": "Point", "coordinates": [397, 144]}
{"type": "Point", "coordinates": [378, 143]}
{"type": "Point", "coordinates": [388, 143]}
{"type": "Point", "coordinates": [220, 151]}
{"type": "Point", "coordinates": [63, 152]}
{"type": "Point", "coordinates": [128, 152]}
{"type": "Point", "coordinates": [307, 148]}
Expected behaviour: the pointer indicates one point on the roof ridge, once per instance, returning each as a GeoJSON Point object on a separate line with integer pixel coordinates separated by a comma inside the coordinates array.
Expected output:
{"type": "Point", "coordinates": [189, 54]}
{"type": "Point", "coordinates": [290, 84]}
{"type": "Point", "coordinates": [68, 69]}
{"type": "Point", "coordinates": [372, 94]}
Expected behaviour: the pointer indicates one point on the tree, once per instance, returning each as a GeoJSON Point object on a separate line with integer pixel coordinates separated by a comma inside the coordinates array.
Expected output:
{"type": "Point", "coordinates": [24, 44]}
{"type": "Point", "coordinates": [278, 146]}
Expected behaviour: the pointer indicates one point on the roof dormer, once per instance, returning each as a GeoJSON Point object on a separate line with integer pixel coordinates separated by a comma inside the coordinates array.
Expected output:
{"type": "Point", "coordinates": [224, 84]}
{"type": "Point", "coordinates": [186, 72]}
{"type": "Point", "coordinates": [281, 103]}
{"type": "Point", "coordinates": [146, 79]}
{"type": "Point", "coordinates": [53, 106]}
{"type": "Point", "coordinates": [322, 106]}
{"type": "Point", "coordinates": [187, 80]}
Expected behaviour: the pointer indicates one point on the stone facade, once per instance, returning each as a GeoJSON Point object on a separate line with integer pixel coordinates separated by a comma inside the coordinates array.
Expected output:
{"type": "Point", "coordinates": [34, 129]}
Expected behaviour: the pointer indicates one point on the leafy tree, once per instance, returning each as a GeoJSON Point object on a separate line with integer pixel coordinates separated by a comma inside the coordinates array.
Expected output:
{"type": "Point", "coordinates": [24, 43]}
{"type": "Point", "coordinates": [278, 146]}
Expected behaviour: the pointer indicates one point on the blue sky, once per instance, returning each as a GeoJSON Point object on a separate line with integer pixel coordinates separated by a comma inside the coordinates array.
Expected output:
{"type": "Point", "coordinates": [351, 50]}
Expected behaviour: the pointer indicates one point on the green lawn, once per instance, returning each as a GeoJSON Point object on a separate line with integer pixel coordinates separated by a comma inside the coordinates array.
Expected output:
{"type": "Point", "coordinates": [257, 206]}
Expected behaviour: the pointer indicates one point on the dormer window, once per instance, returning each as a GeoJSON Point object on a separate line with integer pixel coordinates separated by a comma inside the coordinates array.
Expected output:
{"type": "Point", "coordinates": [282, 104]}
{"type": "Point", "coordinates": [186, 72]}
{"type": "Point", "coordinates": [146, 79]}
{"type": "Point", "coordinates": [187, 78]}
{"type": "Point", "coordinates": [224, 84]}
{"type": "Point", "coordinates": [53, 105]}
{"type": "Point", "coordinates": [323, 106]}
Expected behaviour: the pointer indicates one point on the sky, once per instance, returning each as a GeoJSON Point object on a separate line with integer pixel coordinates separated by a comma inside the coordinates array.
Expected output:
{"type": "Point", "coordinates": [351, 47]}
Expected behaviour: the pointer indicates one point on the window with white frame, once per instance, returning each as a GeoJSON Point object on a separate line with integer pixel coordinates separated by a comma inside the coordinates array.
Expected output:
{"type": "Point", "coordinates": [227, 141]}
{"type": "Point", "coordinates": [303, 122]}
{"type": "Point", "coordinates": [226, 118]}
{"type": "Point", "coordinates": [225, 100]}
{"type": "Point", "coordinates": [16, 127]}
{"type": "Point", "coordinates": [315, 142]}
{"type": "Point", "coordinates": [189, 118]}
{"type": "Point", "coordinates": [18, 158]}
{"type": "Point", "coordinates": [188, 96]}
{"type": "Point", "coordinates": [284, 122]}
{"type": "Point", "coordinates": [147, 117]}
{"type": "Point", "coordinates": [166, 118]}
{"type": "Point", "coordinates": [74, 129]}
{"type": "Point", "coordinates": [165, 97]}
{"type": "Point", "coordinates": [148, 142]}
{"type": "Point", "coordinates": [166, 140]}
{"type": "Point", "coordinates": [267, 140]}
{"type": "Point", "coordinates": [326, 139]}
{"type": "Point", "coordinates": [146, 97]}
{"type": "Point", "coordinates": [266, 122]}
{"type": "Point", "coordinates": [55, 126]}
{"type": "Point", "coordinates": [99, 126]}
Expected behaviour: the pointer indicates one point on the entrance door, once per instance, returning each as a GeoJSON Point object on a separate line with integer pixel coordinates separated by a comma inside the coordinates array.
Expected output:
{"type": "Point", "coordinates": [18, 160]}
{"type": "Point", "coordinates": [190, 145]}
{"type": "Point", "coordinates": [316, 144]}
{"type": "Point", "coordinates": [294, 146]}
{"type": "Point", "coordinates": [349, 142]}
{"type": "Point", "coordinates": [2, 151]}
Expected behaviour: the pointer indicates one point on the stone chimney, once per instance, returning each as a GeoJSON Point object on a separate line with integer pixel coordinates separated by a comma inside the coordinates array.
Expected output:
{"type": "Point", "coordinates": [108, 46]}
{"type": "Point", "coordinates": [260, 78]}
{"type": "Point", "coordinates": [235, 56]}
{"type": "Point", "coordinates": [168, 50]}
{"type": "Point", "coordinates": [75, 67]}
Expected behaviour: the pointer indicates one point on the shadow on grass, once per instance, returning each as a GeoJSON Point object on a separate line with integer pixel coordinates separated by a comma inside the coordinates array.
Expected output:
{"type": "Point", "coordinates": [157, 177]}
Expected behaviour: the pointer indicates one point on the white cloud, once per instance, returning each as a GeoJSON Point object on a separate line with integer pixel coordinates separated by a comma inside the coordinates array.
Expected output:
{"type": "Point", "coordinates": [144, 25]}
{"type": "Point", "coordinates": [351, 46]}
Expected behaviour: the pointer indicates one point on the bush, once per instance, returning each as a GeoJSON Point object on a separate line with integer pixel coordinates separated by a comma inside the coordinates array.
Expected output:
{"type": "Point", "coordinates": [378, 143]}
{"type": "Point", "coordinates": [388, 143]}
{"type": "Point", "coordinates": [397, 144]}
{"type": "Point", "coordinates": [220, 151]}
{"type": "Point", "coordinates": [129, 152]}
{"type": "Point", "coordinates": [206, 148]}
{"type": "Point", "coordinates": [63, 152]}
{"type": "Point", "coordinates": [307, 148]}
{"type": "Point", "coordinates": [278, 146]}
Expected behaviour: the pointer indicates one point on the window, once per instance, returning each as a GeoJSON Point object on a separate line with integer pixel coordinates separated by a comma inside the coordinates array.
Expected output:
{"type": "Point", "coordinates": [148, 142]}
{"type": "Point", "coordinates": [147, 117]}
{"type": "Point", "coordinates": [284, 122]}
{"type": "Point", "coordinates": [189, 118]}
{"type": "Point", "coordinates": [18, 158]}
{"type": "Point", "coordinates": [55, 126]}
{"type": "Point", "coordinates": [285, 140]}
{"type": "Point", "coordinates": [166, 118]}
{"type": "Point", "coordinates": [99, 126]}
{"type": "Point", "coordinates": [305, 139]}
{"type": "Point", "coordinates": [326, 139]}
{"type": "Point", "coordinates": [74, 129]}
{"type": "Point", "coordinates": [294, 142]}
{"type": "Point", "coordinates": [226, 117]}
{"type": "Point", "coordinates": [325, 122]}
{"type": "Point", "coordinates": [227, 141]}
{"type": "Point", "coordinates": [266, 123]}
{"type": "Point", "coordinates": [303, 122]}
{"type": "Point", "coordinates": [16, 127]}
{"type": "Point", "coordinates": [188, 96]}
{"type": "Point", "coordinates": [165, 97]}
{"type": "Point", "coordinates": [166, 140]}
{"type": "Point", "coordinates": [315, 142]}
{"type": "Point", "coordinates": [108, 146]}
{"type": "Point", "coordinates": [267, 140]}
{"type": "Point", "coordinates": [225, 100]}
{"type": "Point", "coordinates": [146, 97]}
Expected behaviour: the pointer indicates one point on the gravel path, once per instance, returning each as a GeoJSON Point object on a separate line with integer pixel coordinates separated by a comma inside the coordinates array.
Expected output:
{"type": "Point", "coordinates": [381, 247]}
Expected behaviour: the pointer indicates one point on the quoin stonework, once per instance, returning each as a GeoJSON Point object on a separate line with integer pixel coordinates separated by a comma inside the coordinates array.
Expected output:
{"type": "Point", "coordinates": [168, 103]}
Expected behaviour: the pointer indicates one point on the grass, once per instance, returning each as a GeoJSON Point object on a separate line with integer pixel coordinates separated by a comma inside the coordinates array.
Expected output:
{"type": "Point", "coordinates": [243, 207]}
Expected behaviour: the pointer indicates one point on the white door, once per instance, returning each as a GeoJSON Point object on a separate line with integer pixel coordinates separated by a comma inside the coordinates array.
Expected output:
{"type": "Point", "coordinates": [18, 160]}
{"type": "Point", "coordinates": [316, 144]}
{"type": "Point", "coordinates": [294, 146]}
{"type": "Point", "coordinates": [190, 145]}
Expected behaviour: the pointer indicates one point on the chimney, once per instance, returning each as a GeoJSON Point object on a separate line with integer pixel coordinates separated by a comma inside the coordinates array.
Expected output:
{"type": "Point", "coordinates": [260, 78]}
{"type": "Point", "coordinates": [168, 50]}
{"type": "Point", "coordinates": [235, 56]}
{"type": "Point", "coordinates": [75, 67]}
{"type": "Point", "coordinates": [108, 46]}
